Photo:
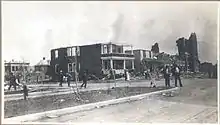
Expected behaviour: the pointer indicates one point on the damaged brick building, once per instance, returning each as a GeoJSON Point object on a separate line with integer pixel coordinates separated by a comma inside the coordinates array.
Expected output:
{"type": "Point", "coordinates": [188, 51]}
{"type": "Point", "coordinates": [97, 59]}
{"type": "Point", "coordinates": [209, 68]}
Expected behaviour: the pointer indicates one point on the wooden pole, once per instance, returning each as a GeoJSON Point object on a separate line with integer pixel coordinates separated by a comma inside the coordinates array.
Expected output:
{"type": "Point", "coordinates": [75, 66]}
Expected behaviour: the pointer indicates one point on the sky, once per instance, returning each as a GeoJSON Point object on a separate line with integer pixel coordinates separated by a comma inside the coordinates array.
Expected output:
{"type": "Point", "coordinates": [31, 29]}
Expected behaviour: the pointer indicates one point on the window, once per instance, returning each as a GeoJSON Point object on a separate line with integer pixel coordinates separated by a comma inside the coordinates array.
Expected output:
{"type": "Point", "coordinates": [56, 53]}
{"type": "Point", "coordinates": [13, 68]}
{"type": "Point", "coordinates": [78, 51]}
{"type": "Point", "coordinates": [119, 50]}
{"type": "Point", "coordinates": [16, 68]}
{"type": "Point", "coordinates": [73, 51]}
{"type": "Point", "coordinates": [105, 49]}
{"type": "Point", "coordinates": [148, 54]}
{"type": "Point", "coordinates": [25, 68]}
{"type": "Point", "coordinates": [106, 65]}
{"type": "Point", "coordinates": [69, 51]}
{"type": "Point", "coordinates": [70, 67]}
{"type": "Point", "coordinates": [145, 54]}
{"type": "Point", "coordinates": [56, 68]}
{"type": "Point", "coordinates": [118, 64]}
{"type": "Point", "coordinates": [141, 54]}
{"type": "Point", "coordinates": [114, 48]}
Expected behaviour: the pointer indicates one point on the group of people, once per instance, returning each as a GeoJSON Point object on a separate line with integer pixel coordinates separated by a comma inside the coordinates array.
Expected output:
{"type": "Point", "coordinates": [68, 78]}
{"type": "Point", "coordinates": [175, 72]}
{"type": "Point", "coordinates": [13, 81]}
{"type": "Point", "coordinates": [168, 72]}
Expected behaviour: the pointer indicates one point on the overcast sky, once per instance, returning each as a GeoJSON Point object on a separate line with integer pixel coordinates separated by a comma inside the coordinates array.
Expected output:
{"type": "Point", "coordinates": [31, 29]}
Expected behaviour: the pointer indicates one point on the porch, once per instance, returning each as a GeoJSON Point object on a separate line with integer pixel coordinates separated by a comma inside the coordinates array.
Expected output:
{"type": "Point", "coordinates": [118, 64]}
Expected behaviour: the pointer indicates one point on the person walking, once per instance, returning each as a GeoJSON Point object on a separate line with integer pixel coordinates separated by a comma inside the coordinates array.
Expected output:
{"type": "Point", "coordinates": [69, 76]}
{"type": "Point", "coordinates": [61, 78]}
{"type": "Point", "coordinates": [84, 78]}
{"type": "Point", "coordinates": [176, 71]}
{"type": "Point", "coordinates": [12, 81]}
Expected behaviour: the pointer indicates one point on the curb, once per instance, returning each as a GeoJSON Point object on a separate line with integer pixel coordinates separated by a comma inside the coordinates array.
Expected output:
{"type": "Point", "coordinates": [59, 112]}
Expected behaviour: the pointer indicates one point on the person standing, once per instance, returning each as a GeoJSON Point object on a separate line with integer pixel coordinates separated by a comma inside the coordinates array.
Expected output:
{"type": "Point", "coordinates": [125, 74]}
{"type": "Point", "coordinates": [128, 75]}
{"type": "Point", "coordinates": [12, 81]}
{"type": "Point", "coordinates": [25, 91]}
{"type": "Point", "coordinates": [166, 73]}
{"type": "Point", "coordinates": [84, 78]}
{"type": "Point", "coordinates": [61, 78]}
{"type": "Point", "coordinates": [210, 71]}
{"type": "Point", "coordinates": [176, 74]}
{"type": "Point", "coordinates": [152, 76]}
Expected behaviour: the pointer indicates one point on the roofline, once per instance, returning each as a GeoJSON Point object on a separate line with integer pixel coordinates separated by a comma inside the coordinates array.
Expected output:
{"type": "Point", "coordinates": [42, 65]}
{"type": "Point", "coordinates": [16, 63]}
{"type": "Point", "coordinates": [63, 47]}
{"type": "Point", "coordinates": [114, 43]}
{"type": "Point", "coordinates": [141, 49]}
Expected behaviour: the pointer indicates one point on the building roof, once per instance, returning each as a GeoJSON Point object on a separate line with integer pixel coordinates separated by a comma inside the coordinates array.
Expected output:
{"type": "Point", "coordinates": [16, 62]}
{"type": "Point", "coordinates": [97, 42]}
{"type": "Point", "coordinates": [141, 49]}
{"type": "Point", "coordinates": [117, 43]}
{"type": "Point", "coordinates": [43, 62]}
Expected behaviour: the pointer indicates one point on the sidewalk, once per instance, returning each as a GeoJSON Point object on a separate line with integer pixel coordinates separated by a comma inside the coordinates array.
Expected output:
{"type": "Point", "coordinates": [67, 90]}
{"type": "Point", "coordinates": [55, 84]}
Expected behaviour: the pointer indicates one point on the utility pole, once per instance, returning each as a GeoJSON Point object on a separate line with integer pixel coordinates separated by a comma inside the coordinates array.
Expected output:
{"type": "Point", "coordinates": [75, 66]}
{"type": "Point", "coordinates": [186, 56]}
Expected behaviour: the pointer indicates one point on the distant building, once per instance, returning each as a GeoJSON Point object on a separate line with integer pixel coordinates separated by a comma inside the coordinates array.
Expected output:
{"type": "Point", "coordinates": [64, 59]}
{"type": "Point", "coordinates": [209, 69]}
{"type": "Point", "coordinates": [42, 69]}
{"type": "Point", "coordinates": [97, 59]}
{"type": "Point", "coordinates": [188, 51]}
{"type": "Point", "coordinates": [215, 71]}
{"type": "Point", "coordinates": [139, 55]}
{"type": "Point", "coordinates": [16, 66]}
{"type": "Point", "coordinates": [157, 62]}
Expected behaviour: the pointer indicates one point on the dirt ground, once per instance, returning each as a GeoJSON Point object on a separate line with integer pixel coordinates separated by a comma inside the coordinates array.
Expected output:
{"type": "Point", "coordinates": [195, 102]}
{"type": "Point", "coordinates": [35, 105]}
